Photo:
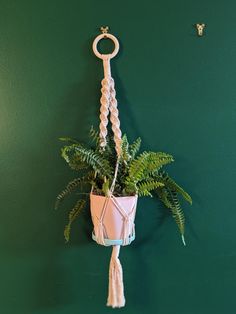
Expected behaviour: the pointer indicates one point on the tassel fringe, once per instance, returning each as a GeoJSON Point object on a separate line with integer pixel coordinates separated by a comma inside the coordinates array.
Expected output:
{"type": "Point", "coordinates": [116, 288]}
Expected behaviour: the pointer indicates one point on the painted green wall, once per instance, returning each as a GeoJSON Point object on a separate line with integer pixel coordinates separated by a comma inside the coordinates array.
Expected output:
{"type": "Point", "coordinates": [177, 92]}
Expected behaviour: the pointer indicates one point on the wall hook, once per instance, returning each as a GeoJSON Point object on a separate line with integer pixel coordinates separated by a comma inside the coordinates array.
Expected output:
{"type": "Point", "coordinates": [104, 30]}
{"type": "Point", "coordinates": [200, 28]}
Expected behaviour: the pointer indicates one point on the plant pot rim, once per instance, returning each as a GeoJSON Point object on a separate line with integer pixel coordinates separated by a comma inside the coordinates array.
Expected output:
{"type": "Point", "coordinates": [123, 197]}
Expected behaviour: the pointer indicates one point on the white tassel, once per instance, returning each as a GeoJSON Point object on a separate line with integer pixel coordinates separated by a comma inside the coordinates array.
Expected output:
{"type": "Point", "coordinates": [116, 288]}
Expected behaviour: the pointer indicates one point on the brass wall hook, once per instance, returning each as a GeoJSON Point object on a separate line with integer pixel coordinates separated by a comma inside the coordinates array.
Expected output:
{"type": "Point", "coordinates": [200, 28]}
{"type": "Point", "coordinates": [104, 30]}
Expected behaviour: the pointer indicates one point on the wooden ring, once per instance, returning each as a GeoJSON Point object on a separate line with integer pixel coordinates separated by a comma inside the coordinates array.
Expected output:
{"type": "Point", "coordinates": [105, 56]}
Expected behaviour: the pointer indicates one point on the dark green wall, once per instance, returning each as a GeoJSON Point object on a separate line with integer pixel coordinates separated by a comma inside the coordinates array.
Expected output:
{"type": "Point", "coordinates": [177, 92]}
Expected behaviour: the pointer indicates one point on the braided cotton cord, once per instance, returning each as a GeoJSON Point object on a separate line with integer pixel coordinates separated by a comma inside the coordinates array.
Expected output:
{"type": "Point", "coordinates": [116, 288]}
{"type": "Point", "coordinates": [115, 117]}
{"type": "Point", "coordinates": [109, 105]}
{"type": "Point", "coordinates": [104, 111]}
{"type": "Point", "coordinates": [108, 99]}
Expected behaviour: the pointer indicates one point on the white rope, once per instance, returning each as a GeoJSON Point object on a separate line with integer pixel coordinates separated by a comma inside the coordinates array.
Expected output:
{"type": "Point", "coordinates": [128, 224]}
{"type": "Point", "coordinates": [109, 105]}
{"type": "Point", "coordinates": [99, 227]}
{"type": "Point", "coordinates": [116, 296]}
{"type": "Point", "coordinates": [104, 111]}
{"type": "Point", "coordinates": [115, 117]}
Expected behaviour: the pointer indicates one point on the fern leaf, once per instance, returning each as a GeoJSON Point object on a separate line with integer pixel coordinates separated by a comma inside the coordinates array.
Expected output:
{"type": "Point", "coordinates": [78, 156]}
{"type": "Point", "coordinates": [156, 161]}
{"type": "Point", "coordinates": [95, 160]}
{"type": "Point", "coordinates": [145, 164]}
{"type": "Point", "coordinates": [170, 183]}
{"type": "Point", "coordinates": [145, 187]}
{"type": "Point", "coordinates": [71, 186]}
{"type": "Point", "coordinates": [162, 194]}
{"type": "Point", "coordinates": [176, 210]}
{"type": "Point", "coordinates": [137, 167]}
{"type": "Point", "coordinates": [110, 150]}
{"type": "Point", "coordinates": [75, 163]}
{"type": "Point", "coordinates": [74, 213]}
{"type": "Point", "coordinates": [125, 149]}
{"type": "Point", "coordinates": [134, 147]}
{"type": "Point", "coordinates": [170, 199]}
{"type": "Point", "coordinates": [94, 135]}
{"type": "Point", "coordinates": [130, 188]}
{"type": "Point", "coordinates": [68, 139]}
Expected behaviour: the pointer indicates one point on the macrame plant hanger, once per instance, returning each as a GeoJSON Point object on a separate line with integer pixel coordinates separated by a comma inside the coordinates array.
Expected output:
{"type": "Point", "coordinates": [111, 214]}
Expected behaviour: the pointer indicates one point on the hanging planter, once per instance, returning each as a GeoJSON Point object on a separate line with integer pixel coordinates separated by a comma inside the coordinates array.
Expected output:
{"type": "Point", "coordinates": [116, 175]}
{"type": "Point", "coordinates": [113, 219]}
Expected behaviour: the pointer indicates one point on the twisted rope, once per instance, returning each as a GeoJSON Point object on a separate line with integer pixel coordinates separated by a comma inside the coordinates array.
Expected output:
{"type": "Point", "coordinates": [104, 111]}
{"type": "Point", "coordinates": [109, 104]}
{"type": "Point", "coordinates": [114, 117]}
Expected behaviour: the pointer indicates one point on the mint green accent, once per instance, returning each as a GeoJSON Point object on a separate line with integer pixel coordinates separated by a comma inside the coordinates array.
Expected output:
{"type": "Point", "coordinates": [109, 242]}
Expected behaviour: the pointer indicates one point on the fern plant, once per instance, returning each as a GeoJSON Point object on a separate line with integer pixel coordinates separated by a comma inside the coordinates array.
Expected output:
{"type": "Point", "coordinates": [140, 174]}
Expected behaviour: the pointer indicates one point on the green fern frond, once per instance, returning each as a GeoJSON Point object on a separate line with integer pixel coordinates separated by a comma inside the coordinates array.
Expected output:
{"type": "Point", "coordinates": [130, 188]}
{"type": "Point", "coordinates": [148, 162]}
{"type": "Point", "coordinates": [177, 211]}
{"type": "Point", "coordinates": [171, 201]}
{"type": "Point", "coordinates": [145, 187]}
{"type": "Point", "coordinates": [75, 163]}
{"type": "Point", "coordinates": [71, 187]}
{"type": "Point", "coordinates": [170, 183]}
{"type": "Point", "coordinates": [156, 161]}
{"type": "Point", "coordinates": [95, 160]}
{"type": "Point", "coordinates": [125, 149]}
{"type": "Point", "coordinates": [69, 140]}
{"type": "Point", "coordinates": [162, 194]}
{"type": "Point", "coordinates": [94, 135]}
{"type": "Point", "coordinates": [134, 147]}
{"type": "Point", "coordinates": [74, 213]}
{"type": "Point", "coordinates": [79, 156]}
{"type": "Point", "coordinates": [137, 168]}
{"type": "Point", "coordinates": [136, 172]}
{"type": "Point", "coordinates": [110, 151]}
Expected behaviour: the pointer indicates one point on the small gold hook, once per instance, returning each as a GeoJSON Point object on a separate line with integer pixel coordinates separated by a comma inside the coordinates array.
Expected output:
{"type": "Point", "coordinates": [104, 30]}
{"type": "Point", "coordinates": [200, 28]}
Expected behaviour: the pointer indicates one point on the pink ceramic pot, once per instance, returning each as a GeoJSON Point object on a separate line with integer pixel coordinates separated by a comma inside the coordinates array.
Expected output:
{"type": "Point", "coordinates": [113, 219]}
